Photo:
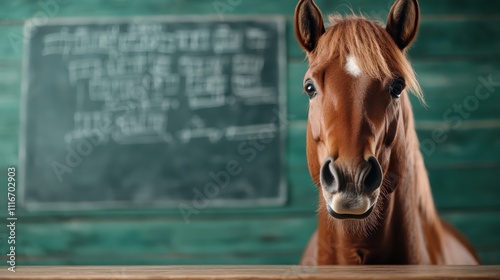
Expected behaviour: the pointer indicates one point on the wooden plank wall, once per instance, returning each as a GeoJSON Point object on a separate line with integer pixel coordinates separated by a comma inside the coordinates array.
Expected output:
{"type": "Point", "coordinates": [458, 47]}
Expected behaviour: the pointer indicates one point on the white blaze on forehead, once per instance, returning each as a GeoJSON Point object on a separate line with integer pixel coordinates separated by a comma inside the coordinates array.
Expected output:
{"type": "Point", "coordinates": [352, 67]}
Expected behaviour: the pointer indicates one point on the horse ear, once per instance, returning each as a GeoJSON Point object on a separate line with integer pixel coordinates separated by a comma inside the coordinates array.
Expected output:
{"type": "Point", "coordinates": [309, 24]}
{"type": "Point", "coordinates": [403, 21]}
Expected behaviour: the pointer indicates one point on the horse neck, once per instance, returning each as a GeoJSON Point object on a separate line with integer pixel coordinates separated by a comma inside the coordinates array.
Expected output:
{"type": "Point", "coordinates": [398, 237]}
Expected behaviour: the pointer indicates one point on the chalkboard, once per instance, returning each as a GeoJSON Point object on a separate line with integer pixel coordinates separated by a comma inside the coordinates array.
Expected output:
{"type": "Point", "coordinates": [153, 112]}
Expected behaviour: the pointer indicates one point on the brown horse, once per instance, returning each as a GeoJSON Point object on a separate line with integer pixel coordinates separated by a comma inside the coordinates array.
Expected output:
{"type": "Point", "coordinates": [375, 202]}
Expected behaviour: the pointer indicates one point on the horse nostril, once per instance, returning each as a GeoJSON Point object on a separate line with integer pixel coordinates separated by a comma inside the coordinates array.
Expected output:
{"type": "Point", "coordinates": [373, 179]}
{"type": "Point", "coordinates": [327, 176]}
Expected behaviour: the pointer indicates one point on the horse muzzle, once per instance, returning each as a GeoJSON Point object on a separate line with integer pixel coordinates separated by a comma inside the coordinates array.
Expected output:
{"type": "Point", "coordinates": [349, 208]}
{"type": "Point", "coordinates": [351, 199]}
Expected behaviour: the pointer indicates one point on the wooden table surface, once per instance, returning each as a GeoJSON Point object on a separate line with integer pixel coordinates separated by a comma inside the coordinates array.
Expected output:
{"type": "Point", "coordinates": [251, 272]}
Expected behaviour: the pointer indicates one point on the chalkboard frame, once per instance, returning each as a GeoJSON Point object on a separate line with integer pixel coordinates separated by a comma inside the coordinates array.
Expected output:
{"type": "Point", "coordinates": [31, 24]}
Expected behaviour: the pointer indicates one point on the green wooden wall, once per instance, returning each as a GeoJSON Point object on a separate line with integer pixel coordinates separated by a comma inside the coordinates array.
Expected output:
{"type": "Point", "coordinates": [459, 44]}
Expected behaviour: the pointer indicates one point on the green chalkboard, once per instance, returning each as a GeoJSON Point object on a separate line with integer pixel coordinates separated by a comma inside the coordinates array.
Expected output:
{"type": "Point", "coordinates": [153, 112]}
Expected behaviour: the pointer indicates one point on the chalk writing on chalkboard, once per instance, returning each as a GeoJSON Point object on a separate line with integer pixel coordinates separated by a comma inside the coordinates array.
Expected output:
{"type": "Point", "coordinates": [165, 101]}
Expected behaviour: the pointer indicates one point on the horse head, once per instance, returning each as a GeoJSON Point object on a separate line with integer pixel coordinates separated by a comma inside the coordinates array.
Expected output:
{"type": "Point", "coordinates": [357, 83]}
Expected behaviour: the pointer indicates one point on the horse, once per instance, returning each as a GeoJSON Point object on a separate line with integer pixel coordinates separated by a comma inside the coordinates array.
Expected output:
{"type": "Point", "coordinates": [375, 202]}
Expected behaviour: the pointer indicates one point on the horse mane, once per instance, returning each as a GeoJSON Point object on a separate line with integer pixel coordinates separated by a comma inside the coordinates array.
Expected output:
{"type": "Point", "coordinates": [372, 47]}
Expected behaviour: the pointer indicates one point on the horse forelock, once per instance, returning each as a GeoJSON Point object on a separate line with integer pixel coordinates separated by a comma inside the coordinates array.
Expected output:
{"type": "Point", "coordinates": [370, 45]}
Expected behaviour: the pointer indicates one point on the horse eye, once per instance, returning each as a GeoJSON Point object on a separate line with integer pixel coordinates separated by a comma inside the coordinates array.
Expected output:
{"type": "Point", "coordinates": [397, 87]}
{"type": "Point", "coordinates": [310, 89]}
